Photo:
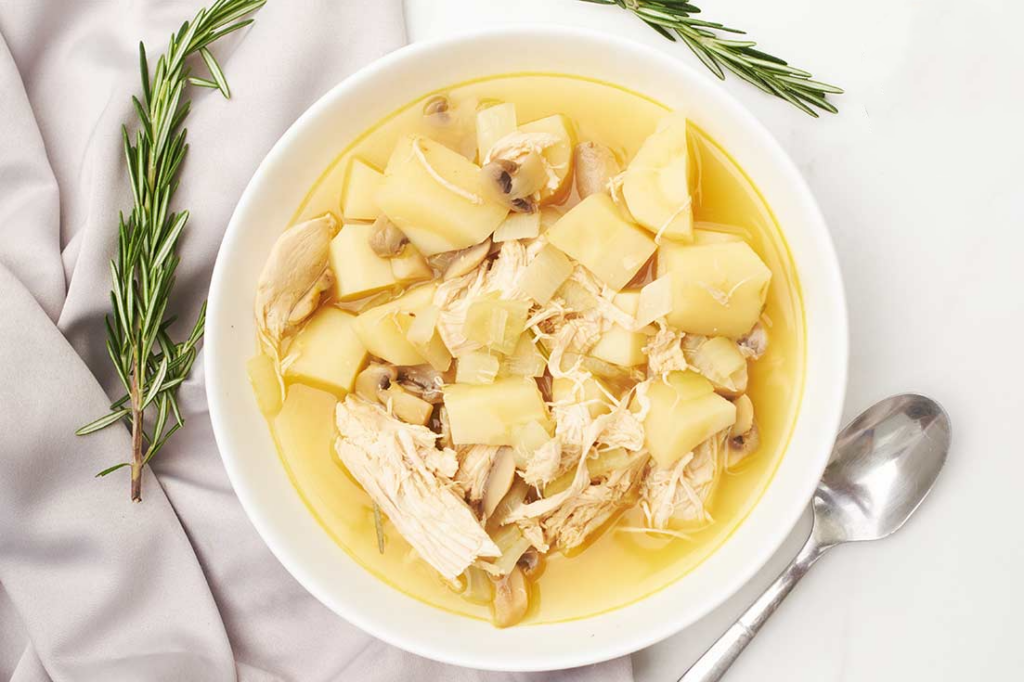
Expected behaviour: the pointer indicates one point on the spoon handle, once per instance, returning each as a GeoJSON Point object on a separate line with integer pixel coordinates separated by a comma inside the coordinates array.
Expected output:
{"type": "Point", "coordinates": [713, 664]}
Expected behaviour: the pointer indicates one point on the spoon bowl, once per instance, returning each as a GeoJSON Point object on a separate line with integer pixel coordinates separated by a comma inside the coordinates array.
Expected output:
{"type": "Point", "coordinates": [884, 464]}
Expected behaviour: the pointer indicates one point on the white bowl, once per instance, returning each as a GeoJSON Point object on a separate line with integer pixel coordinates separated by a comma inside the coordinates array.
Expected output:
{"type": "Point", "coordinates": [252, 463]}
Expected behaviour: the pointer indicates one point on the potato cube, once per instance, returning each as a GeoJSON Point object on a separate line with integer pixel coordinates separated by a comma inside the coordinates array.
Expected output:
{"type": "Point", "coordinates": [496, 324]}
{"type": "Point", "coordinates": [621, 346]}
{"type": "Point", "coordinates": [685, 411]}
{"type": "Point", "coordinates": [656, 183]}
{"type": "Point", "coordinates": [703, 236]}
{"type": "Point", "coordinates": [358, 271]}
{"type": "Point", "coordinates": [359, 196]}
{"type": "Point", "coordinates": [328, 353]}
{"type": "Point", "coordinates": [436, 197]}
{"type": "Point", "coordinates": [407, 407]}
{"type": "Point", "coordinates": [383, 328]}
{"type": "Point", "coordinates": [595, 234]}
{"type": "Point", "coordinates": [423, 336]}
{"type": "Point", "coordinates": [490, 414]}
{"type": "Point", "coordinates": [410, 266]}
{"type": "Point", "coordinates": [492, 124]}
{"type": "Point", "coordinates": [717, 289]}
{"type": "Point", "coordinates": [591, 391]}
{"type": "Point", "coordinates": [265, 385]}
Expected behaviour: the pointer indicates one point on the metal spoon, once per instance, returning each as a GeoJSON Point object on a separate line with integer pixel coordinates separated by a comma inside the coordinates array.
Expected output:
{"type": "Point", "coordinates": [882, 467]}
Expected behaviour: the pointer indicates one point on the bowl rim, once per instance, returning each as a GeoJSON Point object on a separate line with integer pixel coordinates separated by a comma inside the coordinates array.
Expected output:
{"type": "Point", "coordinates": [823, 247]}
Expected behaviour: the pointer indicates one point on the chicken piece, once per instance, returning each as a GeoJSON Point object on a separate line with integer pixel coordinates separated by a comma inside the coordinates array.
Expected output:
{"type": "Point", "coordinates": [454, 297]}
{"type": "Point", "coordinates": [681, 492]}
{"type": "Point", "coordinates": [545, 465]}
{"type": "Point", "coordinates": [574, 521]}
{"type": "Point", "coordinates": [474, 465]}
{"type": "Point", "coordinates": [387, 457]}
{"type": "Point", "coordinates": [294, 277]}
{"type": "Point", "coordinates": [665, 351]}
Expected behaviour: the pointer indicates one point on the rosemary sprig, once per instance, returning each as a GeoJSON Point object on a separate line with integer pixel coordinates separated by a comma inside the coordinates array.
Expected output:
{"type": "Point", "coordinates": [673, 19]}
{"type": "Point", "coordinates": [150, 365]}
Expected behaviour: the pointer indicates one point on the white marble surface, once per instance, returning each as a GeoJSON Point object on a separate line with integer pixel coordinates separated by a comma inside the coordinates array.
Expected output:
{"type": "Point", "coordinates": [920, 178]}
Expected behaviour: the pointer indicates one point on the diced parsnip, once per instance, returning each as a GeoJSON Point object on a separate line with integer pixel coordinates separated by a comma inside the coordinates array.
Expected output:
{"type": "Point", "coordinates": [717, 289]}
{"type": "Point", "coordinates": [518, 226]}
{"type": "Point", "coordinates": [358, 271]}
{"type": "Point", "coordinates": [265, 385]}
{"type": "Point", "coordinates": [328, 353]}
{"type": "Point", "coordinates": [407, 407]}
{"type": "Point", "coordinates": [559, 155]}
{"type": "Point", "coordinates": [496, 324]}
{"type": "Point", "coordinates": [704, 236]}
{"type": "Point", "coordinates": [527, 439]}
{"type": "Point", "coordinates": [545, 274]}
{"type": "Point", "coordinates": [436, 197]}
{"type": "Point", "coordinates": [590, 391]}
{"type": "Point", "coordinates": [655, 301]}
{"type": "Point", "coordinates": [423, 336]}
{"type": "Point", "coordinates": [526, 360]}
{"type": "Point", "coordinates": [492, 124]}
{"type": "Point", "coordinates": [489, 414]}
{"type": "Point", "coordinates": [576, 296]}
{"type": "Point", "coordinates": [383, 328]}
{"type": "Point", "coordinates": [410, 266]}
{"type": "Point", "coordinates": [685, 411]}
{"type": "Point", "coordinates": [719, 360]}
{"type": "Point", "coordinates": [656, 183]}
{"type": "Point", "coordinates": [744, 416]}
{"type": "Point", "coordinates": [621, 346]}
{"type": "Point", "coordinates": [359, 196]}
{"type": "Point", "coordinates": [595, 234]}
{"type": "Point", "coordinates": [476, 367]}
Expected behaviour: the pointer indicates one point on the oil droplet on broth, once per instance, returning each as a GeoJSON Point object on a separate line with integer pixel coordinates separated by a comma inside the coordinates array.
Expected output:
{"type": "Point", "coordinates": [618, 567]}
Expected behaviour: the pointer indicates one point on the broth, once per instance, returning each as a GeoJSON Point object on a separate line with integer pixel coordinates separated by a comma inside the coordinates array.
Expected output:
{"type": "Point", "coordinates": [618, 566]}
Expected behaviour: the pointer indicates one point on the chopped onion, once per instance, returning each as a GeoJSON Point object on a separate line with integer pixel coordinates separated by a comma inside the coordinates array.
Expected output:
{"type": "Point", "coordinates": [545, 274]}
{"type": "Point", "coordinates": [518, 226]}
{"type": "Point", "coordinates": [655, 301]}
{"type": "Point", "coordinates": [512, 499]}
{"type": "Point", "coordinates": [525, 361]}
{"type": "Point", "coordinates": [477, 367]}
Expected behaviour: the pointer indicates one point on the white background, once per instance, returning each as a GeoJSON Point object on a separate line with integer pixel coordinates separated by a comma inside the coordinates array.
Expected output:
{"type": "Point", "coordinates": [920, 178]}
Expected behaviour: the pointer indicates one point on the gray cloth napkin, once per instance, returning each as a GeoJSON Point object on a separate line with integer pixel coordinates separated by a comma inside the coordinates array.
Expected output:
{"type": "Point", "coordinates": [179, 587]}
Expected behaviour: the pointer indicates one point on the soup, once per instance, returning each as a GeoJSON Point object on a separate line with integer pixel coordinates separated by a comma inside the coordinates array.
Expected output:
{"type": "Point", "coordinates": [531, 348]}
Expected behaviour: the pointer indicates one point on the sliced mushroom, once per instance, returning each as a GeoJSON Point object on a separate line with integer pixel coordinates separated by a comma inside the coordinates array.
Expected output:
{"type": "Point", "coordinates": [374, 381]}
{"type": "Point", "coordinates": [511, 599]}
{"type": "Point", "coordinates": [515, 170]}
{"type": "Point", "coordinates": [755, 343]}
{"type": "Point", "coordinates": [744, 416]}
{"type": "Point", "coordinates": [499, 480]}
{"type": "Point", "coordinates": [739, 447]}
{"type": "Point", "coordinates": [437, 110]}
{"type": "Point", "coordinates": [442, 427]}
{"type": "Point", "coordinates": [595, 167]}
{"type": "Point", "coordinates": [531, 563]}
{"type": "Point", "coordinates": [386, 240]}
{"type": "Point", "coordinates": [422, 381]}
{"type": "Point", "coordinates": [467, 260]}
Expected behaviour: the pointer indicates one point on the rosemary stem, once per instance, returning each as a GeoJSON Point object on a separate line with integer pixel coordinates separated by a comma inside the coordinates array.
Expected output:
{"type": "Point", "coordinates": [137, 427]}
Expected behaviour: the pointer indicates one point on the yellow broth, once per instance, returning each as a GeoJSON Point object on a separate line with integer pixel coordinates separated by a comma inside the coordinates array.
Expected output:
{"type": "Point", "coordinates": [618, 566]}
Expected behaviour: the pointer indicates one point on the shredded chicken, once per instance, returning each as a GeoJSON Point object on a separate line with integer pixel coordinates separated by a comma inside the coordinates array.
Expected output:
{"type": "Point", "coordinates": [294, 277]}
{"type": "Point", "coordinates": [681, 492]}
{"type": "Point", "coordinates": [474, 464]}
{"type": "Point", "coordinates": [570, 524]}
{"type": "Point", "coordinates": [387, 458]}
{"type": "Point", "coordinates": [545, 464]}
{"type": "Point", "coordinates": [665, 351]}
